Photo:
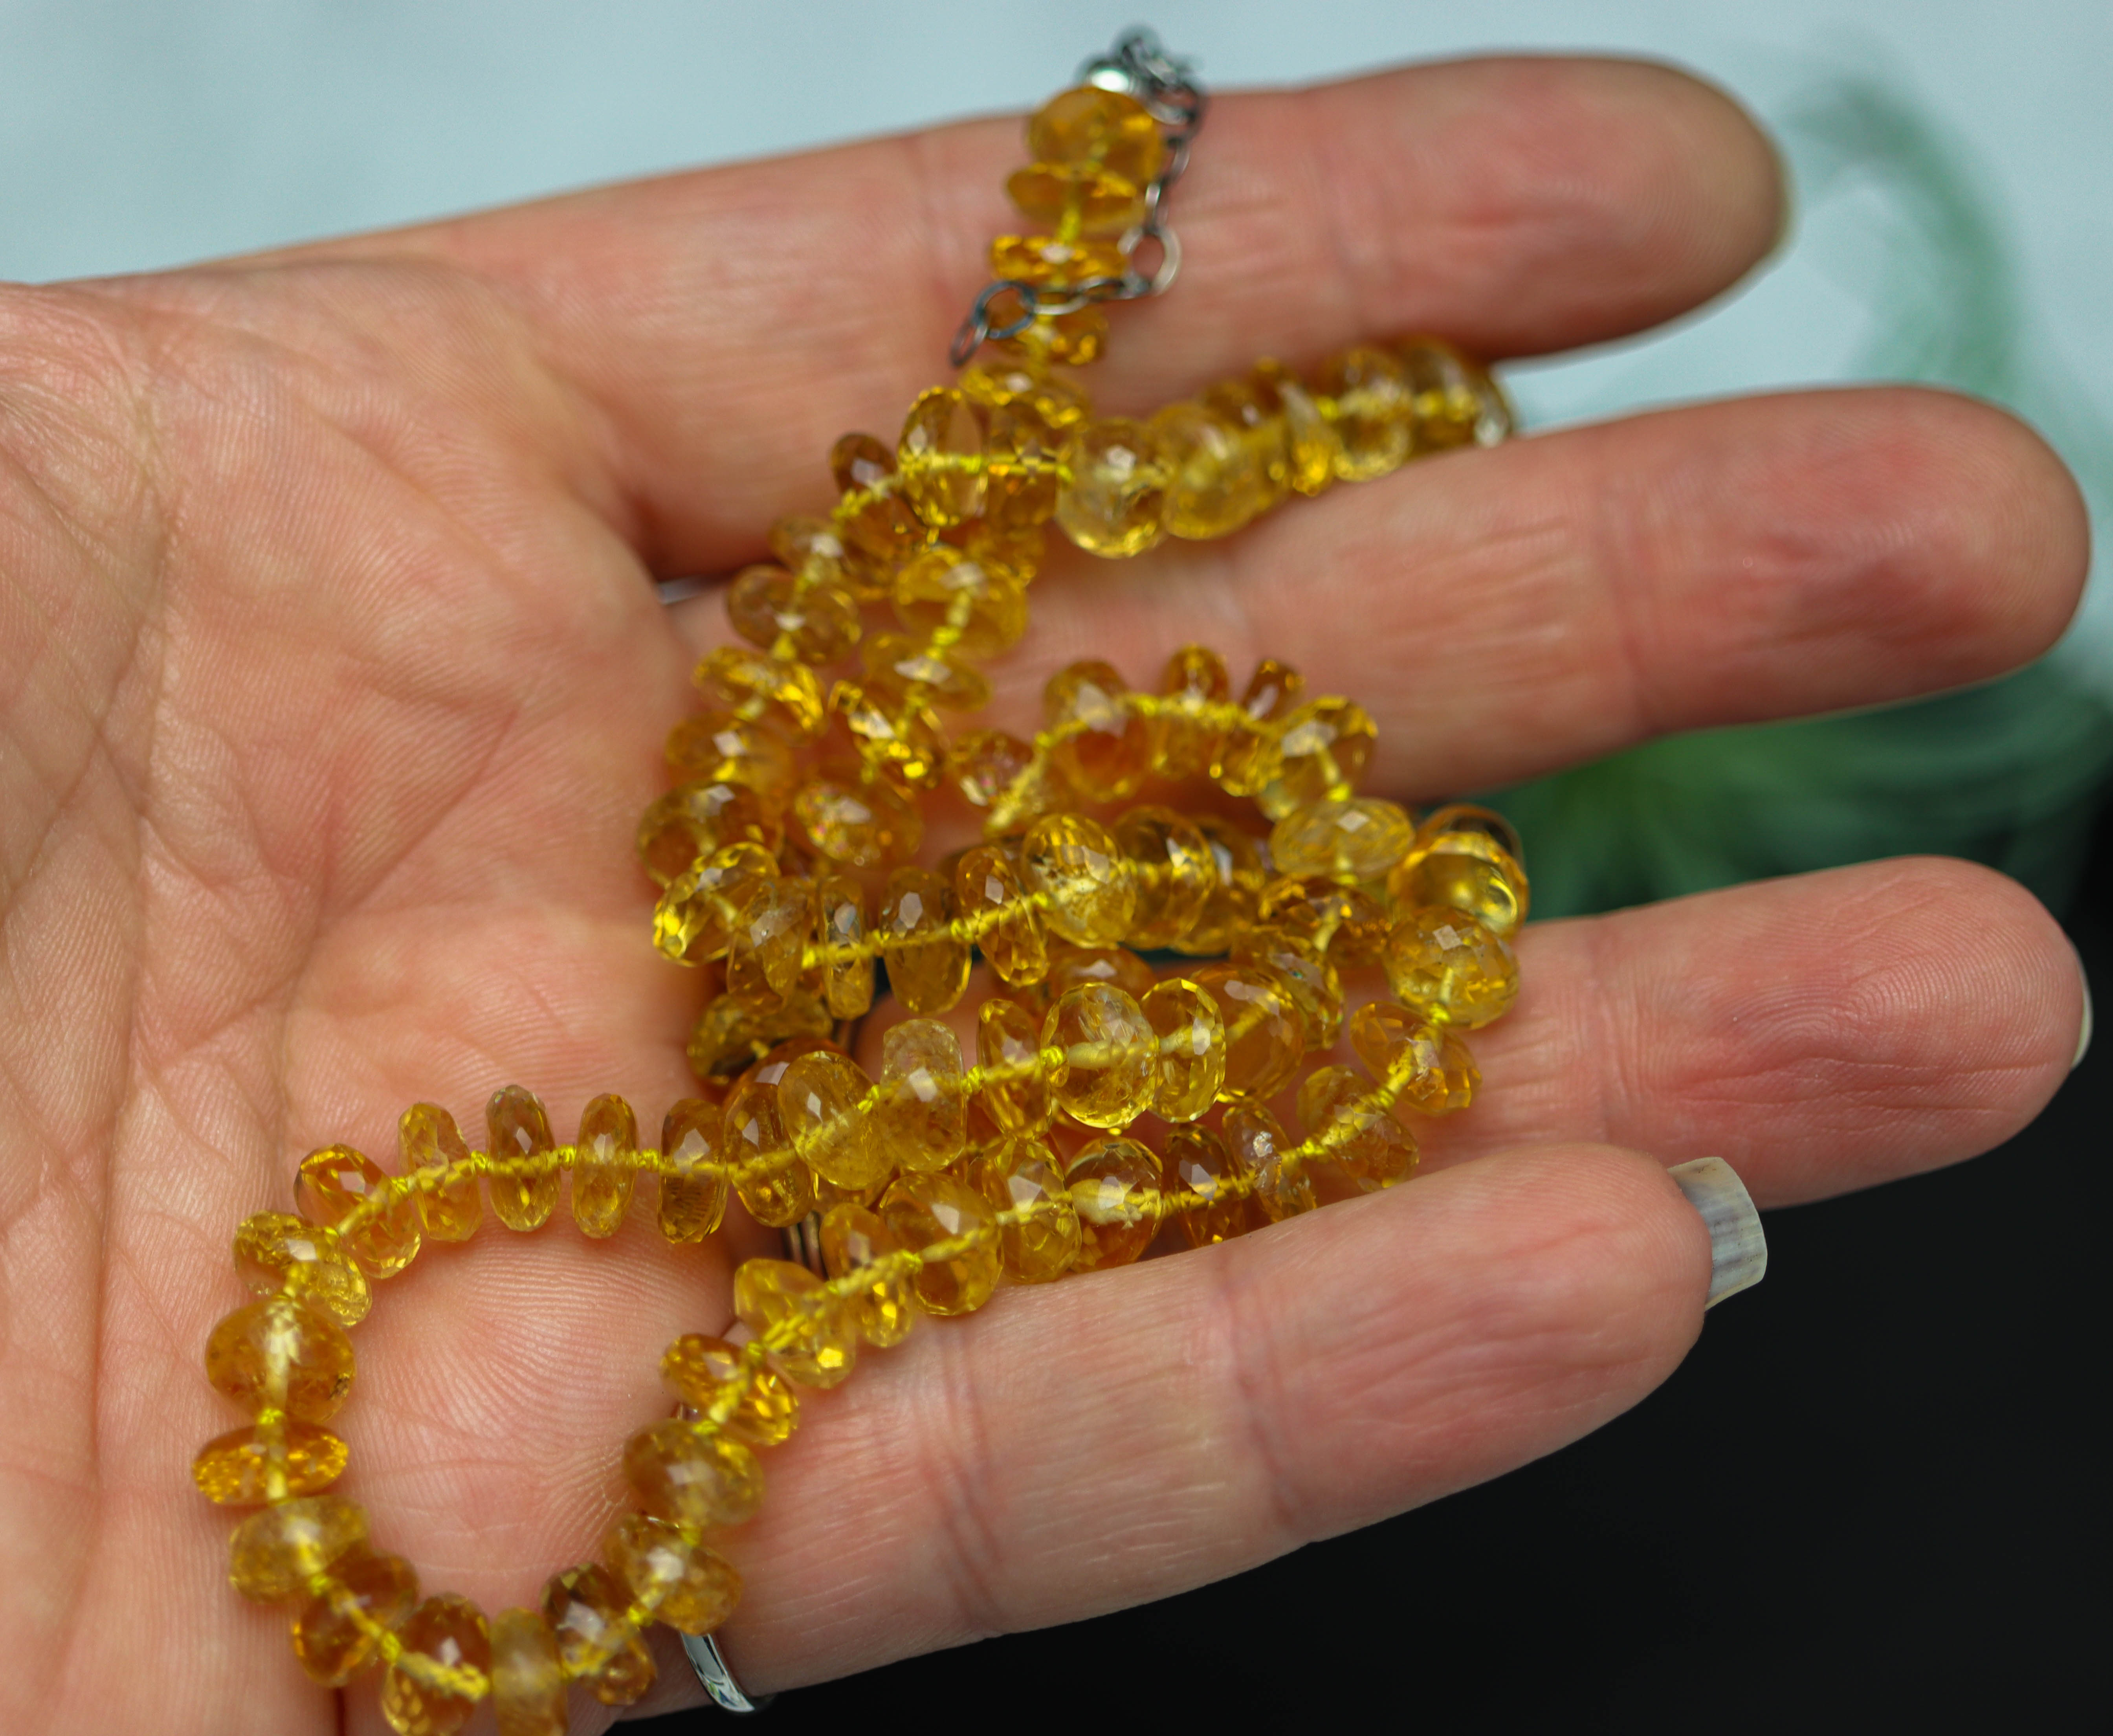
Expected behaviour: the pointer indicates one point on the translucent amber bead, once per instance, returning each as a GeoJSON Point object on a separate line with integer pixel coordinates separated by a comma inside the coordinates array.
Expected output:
{"type": "Point", "coordinates": [1215, 478]}
{"type": "Point", "coordinates": [1114, 1187]}
{"type": "Point", "coordinates": [1189, 1069]}
{"type": "Point", "coordinates": [1310, 443]}
{"type": "Point", "coordinates": [1321, 755]}
{"type": "Point", "coordinates": [584, 1606]}
{"type": "Point", "coordinates": [924, 1211]}
{"type": "Point", "coordinates": [1102, 1056]}
{"type": "Point", "coordinates": [1438, 1075]}
{"type": "Point", "coordinates": [606, 1167]}
{"type": "Point", "coordinates": [1249, 755]}
{"type": "Point", "coordinates": [1186, 740]}
{"type": "Point", "coordinates": [690, 1587]}
{"type": "Point", "coordinates": [901, 671]}
{"type": "Point", "coordinates": [1344, 923]}
{"type": "Point", "coordinates": [338, 1180]}
{"type": "Point", "coordinates": [699, 909]}
{"type": "Point", "coordinates": [847, 968]}
{"type": "Point", "coordinates": [1264, 1032]}
{"type": "Point", "coordinates": [822, 1101]}
{"type": "Point", "coordinates": [693, 1475]}
{"type": "Point", "coordinates": [1466, 871]}
{"type": "Point", "coordinates": [716, 748]}
{"type": "Point", "coordinates": [1172, 869]}
{"type": "Point", "coordinates": [871, 519]}
{"type": "Point", "coordinates": [527, 1680]}
{"type": "Point", "coordinates": [1364, 393]}
{"type": "Point", "coordinates": [769, 607]}
{"type": "Point", "coordinates": [808, 546]}
{"type": "Point", "coordinates": [1455, 403]}
{"type": "Point", "coordinates": [1256, 415]}
{"type": "Point", "coordinates": [1362, 1140]}
{"type": "Point", "coordinates": [275, 1251]}
{"type": "Point", "coordinates": [1023, 1175]}
{"type": "Point", "coordinates": [1096, 201]}
{"type": "Point", "coordinates": [809, 1333]}
{"type": "Point", "coordinates": [276, 1552]}
{"type": "Point", "coordinates": [957, 602]}
{"type": "Point", "coordinates": [752, 1401]}
{"type": "Point", "coordinates": [268, 1462]}
{"type": "Point", "coordinates": [1022, 451]}
{"type": "Point", "coordinates": [1118, 967]}
{"type": "Point", "coordinates": [1350, 840]}
{"type": "Point", "coordinates": [749, 683]}
{"type": "Point", "coordinates": [450, 1211]}
{"type": "Point", "coordinates": [692, 1201]}
{"type": "Point", "coordinates": [856, 1239]}
{"type": "Point", "coordinates": [1236, 885]}
{"type": "Point", "coordinates": [280, 1354]}
{"type": "Point", "coordinates": [920, 1118]}
{"type": "Point", "coordinates": [1101, 746]}
{"type": "Point", "coordinates": [900, 739]}
{"type": "Point", "coordinates": [731, 1032]}
{"type": "Point", "coordinates": [1108, 129]}
{"type": "Point", "coordinates": [767, 943]}
{"type": "Point", "coordinates": [857, 824]}
{"type": "Point", "coordinates": [523, 1177]}
{"type": "Point", "coordinates": [1261, 1148]}
{"type": "Point", "coordinates": [985, 763]}
{"type": "Point", "coordinates": [1199, 1164]}
{"type": "Point", "coordinates": [928, 964]}
{"type": "Point", "coordinates": [1074, 865]}
{"type": "Point", "coordinates": [334, 1633]}
{"type": "Point", "coordinates": [1013, 1092]}
{"type": "Point", "coordinates": [1114, 489]}
{"type": "Point", "coordinates": [777, 1188]}
{"type": "Point", "coordinates": [1442, 962]}
{"type": "Point", "coordinates": [1314, 986]}
{"type": "Point", "coordinates": [940, 457]}
{"type": "Point", "coordinates": [1004, 383]}
{"type": "Point", "coordinates": [988, 894]}
{"type": "Point", "coordinates": [694, 820]}
{"type": "Point", "coordinates": [444, 1670]}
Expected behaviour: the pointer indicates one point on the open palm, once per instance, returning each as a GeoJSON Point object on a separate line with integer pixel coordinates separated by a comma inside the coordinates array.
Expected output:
{"type": "Point", "coordinates": [332, 681]}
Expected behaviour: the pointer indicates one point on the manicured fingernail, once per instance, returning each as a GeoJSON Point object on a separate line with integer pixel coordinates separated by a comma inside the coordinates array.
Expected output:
{"type": "Point", "coordinates": [1738, 1250]}
{"type": "Point", "coordinates": [2083, 1035]}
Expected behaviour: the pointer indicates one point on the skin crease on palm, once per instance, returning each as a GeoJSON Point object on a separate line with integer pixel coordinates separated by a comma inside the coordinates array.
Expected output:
{"type": "Point", "coordinates": [332, 680]}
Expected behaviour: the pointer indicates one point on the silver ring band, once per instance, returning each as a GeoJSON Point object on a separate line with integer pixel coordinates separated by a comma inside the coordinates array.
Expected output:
{"type": "Point", "coordinates": [717, 1680]}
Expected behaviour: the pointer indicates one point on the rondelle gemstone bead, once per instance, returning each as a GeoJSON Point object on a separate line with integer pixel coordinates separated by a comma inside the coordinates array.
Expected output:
{"type": "Point", "coordinates": [606, 1167]}
{"type": "Point", "coordinates": [920, 1118]}
{"type": "Point", "coordinates": [856, 824]}
{"type": "Point", "coordinates": [775, 1187]}
{"type": "Point", "coordinates": [281, 1354]}
{"type": "Point", "coordinates": [1094, 200]}
{"type": "Point", "coordinates": [1109, 129]}
{"type": "Point", "coordinates": [905, 675]}
{"type": "Point", "coordinates": [732, 1031]}
{"type": "Point", "coordinates": [1249, 755]}
{"type": "Point", "coordinates": [1014, 1093]}
{"type": "Point", "coordinates": [1320, 756]}
{"type": "Point", "coordinates": [1466, 867]}
{"type": "Point", "coordinates": [1351, 839]}
{"type": "Point", "coordinates": [262, 1462]}
{"type": "Point", "coordinates": [767, 942]}
{"type": "Point", "coordinates": [584, 1606]}
{"type": "Point", "coordinates": [822, 1101]}
{"type": "Point", "coordinates": [788, 693]}
{"type": "Point", "coordinates": [855, 1238]}
{"type": "Point", "coordinates": [710, 1375]}
{"type": "Point", "coordinates": [1114, 1186]}
{"type": "Point", "coordinates": [527, 1679]}
{"type": "Point", "coordinates": [809, 1333]}
{"type": "Point", "coordinates": [277, 1551]}
{"type": "Point", "coordinates": [1237, 882]}
{"type": "Point", "coordinates": [1362, 1140]}
{"type": "Point", "coordinates": [1022, 1175]}
{"type": "Point", "coordinates": [1116, 966]}
{"type": "Point", "coordinates": [1114, 489]}
{"type": "Point", "coordinates": [847, 968]}
{"type": "Point", "coordinates": [1199, 1163]}
{"type": "Point", "coordinates": [1302, 968]}
{"type": "Point", "coordinates": [275, 1251]}
{"type": "Point", "coordinates": [1101, 1054]}
{"type": "Point", "coordinates": [334, 1635]}
{"type": "Point", "coordinates": [443, 1671]}
{"type": "Point", "coordinates": [1186, 740]}
{"type": "Point", "coordinates": [818, 623]}
{"type": "Point", "coordinates": [1073, 864]}
{"type": "Point", "coordinates": [1020, 454]}
{"type": "Point", "coordinates": [1256, 415]}
{"type": "Point", "coordinates": [1455, 402]}
{"type": "Point", "coordinates": [523, 1176]}
{"type": "Point", "coordinates": [692, 1475]}
{"type": "Point", "coordinates": [1263, 1152]}
{"type": "Point", "coordinates": [1438, 1076]}
{"type": "Point", "coordinates": [1002, 384]}
{"type": "Point", "coordinates": [717, 747]}
{"type": "Point", "coordinates": [989, 894]}
{"type": "Point", "coordinates": [695, 918]}
{"type": "Point", "coordinates": [1364, 393]}
{"type": "Point", "coordinates": [940, 457]}
{"type": "Point", "coordinates": [1217, 480]}
{"type": "Point", "coordinates": [1443, 963]}
{"type": "Point", "coordinates": [451, 1210]}
{"type": "Point", "coordinates": [694, 820]}
{"type": "Point", "coordinates": [927, 963]}
{"type": "Point", "coordinates": [954, 600]}
{"type": "Point", "coordinates": [1310, 441]}
{"type": "Point", "coordinates": [926, 1210]}
{"type": "Point", "coordinates": [1103, 747]}
{"type": "Point", "coordinates": [898, 737]}
{"type": "Point", "coordinates": [693, 1200]}
{"type": "Point", "coordinates": [874, 522]}
{"type": "Point", "coordinates": [1345, 923]}
{"type": "Point", "coordinates": [1172, 870]}
{"type": "Point", "coordinates": [337, 1182]}
{"type": "Point", "coordinates": [1265, 1032]}
{"type": "Point", "coordinates": [691, 1588]}
{"type": "Point", "coordinates": [1189, 1069]}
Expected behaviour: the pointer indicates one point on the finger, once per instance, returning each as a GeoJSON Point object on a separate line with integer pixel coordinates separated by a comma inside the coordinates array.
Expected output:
{"type": "Point", "coordinates": [723, 327]}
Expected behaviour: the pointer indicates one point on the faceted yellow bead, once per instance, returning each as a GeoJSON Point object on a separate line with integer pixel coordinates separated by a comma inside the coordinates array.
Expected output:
{"type": "Point", "coordinates": [280, 1354]}
{"type": "Point", "coordinates": [808, 546]}
{"type": "Point", "coordinates": [1364, 393]}
{"type": "Point", "coordinates": [767, 942]}
{"type": "Point", "coordinates": [1021, 455]}
{"type": "Point", "coordinates": [1264, 1032]}
{"type": "Point", "coordinates": [822, 1101]}
{"type": "Point", "coordinates": [847, 969]}
{"type": "Point", "coordinates": [769, 607]}
{"type": "Point", "coordinates": [957, 602]}
{"type": "Point", "coordinates": [1437, 1075]}
{"type": "Point", "coordinates": [1118, 967]}
{"type": "Point", "coordinates": [1187, 740]}
{"type": "Point", "coordinates": [1249, 756]}
{"type": "Point", "coordinates": [926, 1210]}
{"type": "Point", "coordinates": [1104, 1067]}
{"type": "Point", "coordinates": [1255, 413]}
{"type": "Point", "coordinates": [1302, 968]}
{"type": "Point", "coordinates": [809, 1333]}
{"type": "Point", "coordinates": [585, 1607]}
{"type": "Point", "coordinates": [778, 690]}
{"type": "Point", "coordinates": [715, 747]}
{"type": "Point", "coordinates": [1114, 1186]}
{"type": "Point", "coordinates": [903, 741]}
{"type": "Point", "coordinates": [527, 1679]}
{"type": "Point", "coordinates": [1455, 402]}
{"type": "Point", "coordinates": [606, 1167]}
{"type": "Point", "coordinates": [1108, 129]}
{"type": "Point", "coordinates": [871, 518]}
{"type": "Point", "coordinates": [857, 824]}
{"type": "Point", "coordinates": [700, 908]}
{"type": "Point", "coordinates": [1261, 1148]}
{"type": "Point", "coordinates": [921, 1115]}
{"type": "Point", "coordinates": [984, 764]}
{"type": "Point", "coordinates": [275, 1251]}
{"type": "Point", "coordinates": [1076, 867]}
{"type": "Point", "coordinates": [1006, 385]}
{"type": "Point", "coordinates": [940, 457]}
{"type": "Point", "coordinates": [777, 1188]}
{"type": "Point", "coordinates": [1321, 755]}
{"type": "Point", "coordinates": [693, 1475]}
{"type": "Point", "coordinates": [694, 820]}
{"type": "Point", "coordinates": [989, 896]}
{"type": "Point", "coordinates": [1102, 746]}
{"type": "Point", "coordinates": [1344, 924]}
{"type": "Point", "coordinates": [1350, 840]}
{"type": "Point", "coordinates": [450, 1211]}
{"type": "Point", "coordinates": [692, 1203]}
{"type": "Point", "coordinates": [1237, 881]}
{"type": "Point", "coordinates": [269, 1461]}
{"type": "Point", "coordinates": [1023, 1175]}
{"type": "Point", "coordinates": [758, 1403]}
{"type": "Point", "coordinates": [855, 1238]}
{"type": "Point", "coordinates": [1067, 196]}
{"type": "Point", "coordinates": [334, 1634]}
{"type": "Point", "coordinates": [1442, 962]}
{"type": "Point", "coordinates": [523, 1179]}
{"type": "Point", "coordinates": [445, 1668]}
{"type": "Point", "coordinates": [690, 1587]}
{"type": "Point", "coordinates": [1363, 1141]}
{"type": "Point", "coordinates": [277, 1551]}
{"type": "Point", "coordinates": [1189, 1069]}
{"type": "Point", "coordinates": [1217, 481]}
{"type": "Point", "coordinates": [1014, 1093]}
{"type": "Point", "coordinates": [928, 964]}
{"type": "Point", "coordinates": [903, 673]}
{"type": "Point", "coordinates": [731, 1032]}
{"type": "Point", "coordinates": [337, 1180]}
{"type": "Point", "coordinates": [1114, 490]}
{"type": "Point", "coordinates": [1198, 1164]}
{"type": "Point", "coordinates": [1173, 870]}
{"type": "Point", "coordinates": [1311, 446]}
{"type": "Point", "coordinates": [1468, 858]}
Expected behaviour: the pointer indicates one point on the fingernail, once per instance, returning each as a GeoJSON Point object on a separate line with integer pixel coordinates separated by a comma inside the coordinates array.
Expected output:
{"type": "Point", "coordinates": [1738, 1250]}
{"type": "Point", "coordinates": [2083, 1036]}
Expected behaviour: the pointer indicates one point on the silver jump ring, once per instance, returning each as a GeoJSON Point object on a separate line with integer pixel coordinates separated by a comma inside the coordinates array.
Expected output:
{"type": "Point", "coordinates": [716, 1679]}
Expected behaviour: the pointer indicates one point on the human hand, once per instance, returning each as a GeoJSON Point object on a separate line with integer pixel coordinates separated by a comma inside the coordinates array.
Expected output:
{"type": "Point", "coordinates": [331, 684]}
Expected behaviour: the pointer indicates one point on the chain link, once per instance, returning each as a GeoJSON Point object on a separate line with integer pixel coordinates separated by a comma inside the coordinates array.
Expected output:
{"type": "Point", "coordinates": [1138, 66]}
